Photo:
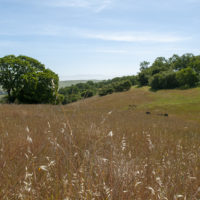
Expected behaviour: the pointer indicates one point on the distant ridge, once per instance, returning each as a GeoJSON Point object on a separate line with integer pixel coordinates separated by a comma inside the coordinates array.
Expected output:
{"type": "Point", "coordinates": [73, 82]}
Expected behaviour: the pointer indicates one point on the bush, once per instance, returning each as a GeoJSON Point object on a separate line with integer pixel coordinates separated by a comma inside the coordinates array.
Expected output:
{"type": "Point", "coordinates": [143, 78]}
{"type": "Point", "coordinates": [106, 90]}
{"type": "Point", "coordinates": [187, 78]}
{"type": "Point", "coordinates": [165, 80]}
{"type": "Point", "coordinates": [60, 99]}
{"type": "Point", "coordinates": [122, 86]}
{"type": "Point", "coordinates": [71, 98]}
{"type": "Point", "coordinates": [87, 93]}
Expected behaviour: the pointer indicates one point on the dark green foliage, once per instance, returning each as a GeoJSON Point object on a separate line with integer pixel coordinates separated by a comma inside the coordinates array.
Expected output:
{"type": "Point", "coordinates": [106, 90]}
{"type": "Point", "coordinates": [159, 65]}
{"type": "Point", "coordinates": [178, 71]}
{"type": "Point", "coordinates": [87, 93]}
{"type": "Point", "coordinates": [144, 65]}
{"type": "Point", "coordinates": [90, 88]}
{"type": "Point", "coordinates": [187, 77]}
{"type": "Point", "coordinates": [165, 80]}
{"type": "Point", "coordinates": [76, 92]}
{"type": "Point", "coordinates": [60, 98]}
{"type": "Point", "coordinates": [122, 86]}
{"type": "Point", "coordinates": [195, 64]}
{"type": "Point", "coordinates": [181, 62]}
{"type": "Point", "coordinates": [71, 94]}
{"type": "Point", "coordinates": [27, 81]}
{"type": "Point", "coordinates": [170, 80]}
{"type": "Point", "coordinates": [143, 78]}
{"type": "Point", "coordinates": [132, 79]}
{"type": "Point", "coordinates": [117, 85]}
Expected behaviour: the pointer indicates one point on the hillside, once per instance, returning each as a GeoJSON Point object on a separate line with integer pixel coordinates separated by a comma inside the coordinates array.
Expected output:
{"type": "Point", "coordinates": [179, 103]}
{"type": "Point", "coordinates": [73, 82]}
{"type": "Point", "coordinates": [121, 146]}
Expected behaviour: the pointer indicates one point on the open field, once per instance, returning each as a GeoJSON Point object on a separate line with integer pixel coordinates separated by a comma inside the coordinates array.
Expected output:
{"type": "Point", "coordinates": [103, 148]}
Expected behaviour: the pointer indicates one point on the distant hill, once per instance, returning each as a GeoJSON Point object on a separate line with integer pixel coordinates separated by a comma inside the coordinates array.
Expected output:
{"type": "Point", "coordinates": [73, 82]}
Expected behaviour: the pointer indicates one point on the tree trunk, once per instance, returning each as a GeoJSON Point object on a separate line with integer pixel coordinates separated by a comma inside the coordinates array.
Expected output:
{"type": "Point", "coordinates": [9, 99]}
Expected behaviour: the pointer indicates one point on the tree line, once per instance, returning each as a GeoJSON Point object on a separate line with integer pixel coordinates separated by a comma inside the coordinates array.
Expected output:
{"type": "Point", "coordinates": [175, 72]}
{"type": "Point", "coordinates": [90, 88]}
{"type": "Point", "coordinates": [26, 80]}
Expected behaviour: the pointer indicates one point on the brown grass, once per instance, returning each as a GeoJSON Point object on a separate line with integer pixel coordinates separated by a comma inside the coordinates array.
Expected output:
{"type": "Point", "coordinates": [100, 148]}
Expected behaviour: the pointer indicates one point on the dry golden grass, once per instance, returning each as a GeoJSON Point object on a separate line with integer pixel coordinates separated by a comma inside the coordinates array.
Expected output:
{"type": "Point", "coordinates": [100, 148]}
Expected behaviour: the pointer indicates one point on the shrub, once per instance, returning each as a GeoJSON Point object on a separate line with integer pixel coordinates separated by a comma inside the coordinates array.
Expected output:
{"type": "Point", "coordinates": [106, 90]}
{"type": "Point", "coordinates": [187, 78]}
{"type": "Point", "coordinates": [87, 93]}
{"type": "Point", "coordinates": [142, 79]}
{"type": "Point", "coordinates": [165, 80]}
{"type": "Point", "coordinates": [122, 86]}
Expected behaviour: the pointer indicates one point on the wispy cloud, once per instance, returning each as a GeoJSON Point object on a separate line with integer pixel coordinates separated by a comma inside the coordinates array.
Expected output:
{"type": "Point", "coordinates": [115, 36]}
{"type": "Point", "coordinates": [96, 5]}
{"type": "Point", "coordinates": [136, 37]}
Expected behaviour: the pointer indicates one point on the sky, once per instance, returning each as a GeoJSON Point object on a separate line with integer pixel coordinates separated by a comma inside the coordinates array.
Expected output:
{"type": "Point", "coordinates": [98, 39]}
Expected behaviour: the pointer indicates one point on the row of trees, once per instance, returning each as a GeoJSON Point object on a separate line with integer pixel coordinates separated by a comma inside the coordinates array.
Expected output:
{"type": "Point", "coordinates": [26, 80]}
{"type": "Point", "coordinates": [89, 89]}
{"type": "Point", "coordinates": [175, 72]}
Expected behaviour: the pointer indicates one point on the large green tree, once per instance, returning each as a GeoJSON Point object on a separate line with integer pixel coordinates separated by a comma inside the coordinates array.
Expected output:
{"type": "Point", "coordinates": [25, 79]}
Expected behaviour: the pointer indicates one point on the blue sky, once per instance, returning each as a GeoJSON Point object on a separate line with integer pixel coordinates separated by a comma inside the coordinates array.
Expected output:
{"type": "Point", "coordinates": [98, 39]}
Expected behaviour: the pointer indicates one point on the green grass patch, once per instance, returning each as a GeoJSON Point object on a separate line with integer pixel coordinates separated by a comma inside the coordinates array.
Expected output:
{"type": "Point", "coordinates": [178, 102]}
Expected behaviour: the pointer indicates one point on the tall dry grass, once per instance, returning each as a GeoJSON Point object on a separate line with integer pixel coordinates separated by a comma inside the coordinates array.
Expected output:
{"type": "Point", "coordinates": [94, 150]}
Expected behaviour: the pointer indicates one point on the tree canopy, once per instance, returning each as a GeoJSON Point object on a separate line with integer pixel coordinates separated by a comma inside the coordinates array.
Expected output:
{"type": "Point", "coordinates": [177, 71]}
{"type": "Point", "coordinates": [26, 80]}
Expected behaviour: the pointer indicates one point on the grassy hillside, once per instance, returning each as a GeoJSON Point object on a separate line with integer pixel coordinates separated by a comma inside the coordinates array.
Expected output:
{"type": "Point", "coordinates": [73, 82]}
{"type": "Point", "coordinates": [103, 148]}
{"type": "Point", "coordinates": [179, 103]}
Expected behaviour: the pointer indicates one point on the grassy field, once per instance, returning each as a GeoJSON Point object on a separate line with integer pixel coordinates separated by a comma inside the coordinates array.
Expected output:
{"type": "Point", "coordinates": [103, 148]}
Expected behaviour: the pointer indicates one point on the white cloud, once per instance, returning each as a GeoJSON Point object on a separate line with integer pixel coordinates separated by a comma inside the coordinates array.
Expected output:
{"type": "Point", "coordinates": [96, 5]}
{"type": "Point", "coordinates": [59, 31]}
{"type": "Point", "coordinates": [136, 37]}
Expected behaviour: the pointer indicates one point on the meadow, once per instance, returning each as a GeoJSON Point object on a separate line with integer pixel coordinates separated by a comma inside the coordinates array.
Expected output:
{"type": "Point", "coordinates": [103, 148]}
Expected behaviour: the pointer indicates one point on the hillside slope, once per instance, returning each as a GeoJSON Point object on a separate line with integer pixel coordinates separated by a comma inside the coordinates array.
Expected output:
{"type": "Point", "coordinates": [103, 148]}
{"type": "Point", "coordinates": [179, 103]}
